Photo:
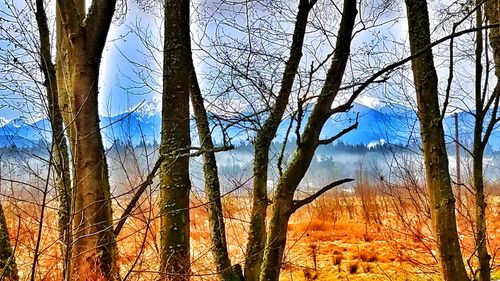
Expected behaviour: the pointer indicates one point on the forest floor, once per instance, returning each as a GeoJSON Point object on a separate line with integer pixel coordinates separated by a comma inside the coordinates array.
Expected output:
{"type": "Point", "coordinates": [338, 237]}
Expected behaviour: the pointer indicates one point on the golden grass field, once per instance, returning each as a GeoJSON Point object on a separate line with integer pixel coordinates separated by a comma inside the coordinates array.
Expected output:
{"type": "Point", "coordinates": [338, 237]}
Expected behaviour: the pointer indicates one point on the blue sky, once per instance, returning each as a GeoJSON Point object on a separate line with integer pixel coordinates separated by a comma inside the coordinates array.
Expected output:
{"type": "Point", "coordinates": [119, 90]}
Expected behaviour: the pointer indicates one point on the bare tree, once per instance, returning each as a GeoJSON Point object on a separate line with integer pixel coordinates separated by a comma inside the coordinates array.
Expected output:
{"type": "Point", "coordinates": [81, 36]}
{"type": "Point", "coordinates": [262, 144]}
{"type": "Point", "coordinates": [275, 107]}
{"type": "Point", "coordinates": [435, 156]}
{"type": "Point", "coordinates": [486, 106]}
{"type": "Point", "coordinates": [59, 145]}
{"type": "Point", "coordinates": [284, 204]}
{"type": "Point", "coordinates": [225, 270]}
{"type": "Point", "coordinates": [175, 184]}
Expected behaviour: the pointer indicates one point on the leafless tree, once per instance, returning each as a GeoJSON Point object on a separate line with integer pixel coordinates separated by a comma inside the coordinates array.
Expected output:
{"type": "Point", "coordinates": [81, 36]}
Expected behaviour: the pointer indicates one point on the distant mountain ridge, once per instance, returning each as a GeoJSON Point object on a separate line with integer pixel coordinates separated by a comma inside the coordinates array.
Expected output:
{"type": "Point", "coordinates": [384, 124]}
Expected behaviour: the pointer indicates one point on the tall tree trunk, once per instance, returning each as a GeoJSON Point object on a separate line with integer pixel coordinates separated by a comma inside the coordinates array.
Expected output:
{"type": "Point", "coordinates": [257, 231]}
{"type": "Point", "coordinates": [59, 146]}
{"type": "Point", "coordinates": [79, 50]}
{"type": "Point", "coordinates": [493, 17]}
{"type": "Point", "coordinates": [480, 202]}
{"type": "Point", "coordinates": [283, 202]}
{"type": "Point", "coordinates": [8, 267]}
{"type": "Point", "coordinates": [175, 141]}
{"type": "Point", "coordinates": [438, 182]}
{"type": "Point", "coordinates": [212, 187]}
{"type": "Point", "coordinates": [478, 154]}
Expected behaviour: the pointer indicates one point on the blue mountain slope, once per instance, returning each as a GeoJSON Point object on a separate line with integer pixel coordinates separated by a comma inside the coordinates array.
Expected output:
{"type": "Point", "coordinates": [374, 126]}
{"type": "Point", "coordinates": [133, 127]}
{"type": "Point", "coordinates": [20, 133]}
{"type": "Point", "coordinates": [391, 124]}
{"type": "Point", "coordinates": [16, 141]}
{"type": "Point", "coordinates": [466, 130]}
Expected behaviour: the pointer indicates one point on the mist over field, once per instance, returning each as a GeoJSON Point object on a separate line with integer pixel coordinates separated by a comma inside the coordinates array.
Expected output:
{"type": "Point", "coordinates": [372, 164]}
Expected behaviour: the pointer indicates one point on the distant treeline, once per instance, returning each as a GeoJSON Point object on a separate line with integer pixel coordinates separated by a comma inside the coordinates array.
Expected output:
{"type": "Point", "coordinates": [41, 149]}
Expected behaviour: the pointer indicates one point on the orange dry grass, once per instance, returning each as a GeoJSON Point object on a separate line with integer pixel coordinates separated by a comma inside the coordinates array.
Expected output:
{"type": "Point", "coordinates": [332, 239]}
{"type": "Point", "coordinates": [23, 222]}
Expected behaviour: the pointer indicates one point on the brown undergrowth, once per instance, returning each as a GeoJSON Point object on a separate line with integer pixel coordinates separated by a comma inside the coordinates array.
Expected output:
{"type": "Point", "coordinates": [337, 237]}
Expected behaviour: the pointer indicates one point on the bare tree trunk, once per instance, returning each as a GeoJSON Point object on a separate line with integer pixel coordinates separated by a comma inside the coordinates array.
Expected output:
{"type": "Point", "coordinates": [212, 188]}
{"type": "Point", "coordinates": [79, 50]}
{"type": "Point", "coordinates": [175, 141]}
{"type": "Point", "coordinates": [477, 153]}
{"type": "Point", "coordinates": [283, 202]}
{"type": "Point", "coordinates": [480, 202]}
{"type": "Point", "coordinates": [59, 145]}
{"type": "Point", "coordinates": [442, 201]}
{"type": "Point", "coordinates": [93, 234]}
{"type": "Point", "coordinates": [8, 267]}
{"type": "Point", "coordinates": [257, 232]}
{"type": "Point", "coordinates": [492, 16]}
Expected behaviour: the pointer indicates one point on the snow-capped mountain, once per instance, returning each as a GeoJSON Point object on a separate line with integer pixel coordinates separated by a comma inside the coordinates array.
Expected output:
{"type": "Point", "coordinates": [23, 134]}
{"type": "Point", "coordinates": [132, 127]}
{"type": "Point", "coordinates": [385, 124]}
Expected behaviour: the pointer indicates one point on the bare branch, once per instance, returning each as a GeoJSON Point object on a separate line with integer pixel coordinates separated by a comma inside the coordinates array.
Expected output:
{"type": "Point", "coordinates": [341, 133]}
{"type": "Point", "coordinates": [299, 203]}
{"type": "Point", "coordinates": [149, 180]}
{"type": "Point", "coordinates": [140, 190]}
{"type": "Point", "coordinates": [392, 66]}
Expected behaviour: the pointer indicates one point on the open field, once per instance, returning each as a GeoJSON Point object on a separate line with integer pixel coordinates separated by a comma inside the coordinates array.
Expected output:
{"type": "Point", "coordinates": [341, 236]}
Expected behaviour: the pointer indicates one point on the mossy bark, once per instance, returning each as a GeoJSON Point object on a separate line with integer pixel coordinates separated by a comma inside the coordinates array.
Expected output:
{"type": "Point", "coordinates": [59, 145]}
{"type": "Point", "coordinates": [441, 198]}
{"type": "Point", "coordinates": [257, 231]}
{"type": "Point", "coordinates": [479, 143]}
{"type": "Point", "coordinates": [225, 271]}
{"type": "Point", "coordinates": [175, 184]}
{"type": "Point", "coordinates": [493, 17]}
{"type": "Point", "coordinates": [8, 267]}
{"type": "Point", "coordinates": [484, 269]}
{"type": "Point", "coordinates": [80, 41]}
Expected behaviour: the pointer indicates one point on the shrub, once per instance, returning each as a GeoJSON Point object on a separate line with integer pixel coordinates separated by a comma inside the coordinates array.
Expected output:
{"type": "Point", "coordinates": [353, 267]}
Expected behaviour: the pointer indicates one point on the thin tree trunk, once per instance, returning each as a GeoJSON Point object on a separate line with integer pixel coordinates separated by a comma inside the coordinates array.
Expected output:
{"type": "Point", "coordinates": [59, 146]}
{"type": "Point", "coordinates": [478, 154]}
{"type": "Point", "coordinates": [481, 237]}
{"type": "Point", "coordinates": [438, 181]}
{"type": "Point", "coordinates": [257, 231]}
{"type": "Point", "coordinates": [8, 267]}
{"type": "Point", "coordinates": [175, 140]}
{"type": "Point", "coordinates": [283, 203]}
{"type": "Point", "coordinates": [79, 50]}
{"type": "Point", "coordinates": [212, 188]}
{"type": "Point", "coordinates": [492, 16]}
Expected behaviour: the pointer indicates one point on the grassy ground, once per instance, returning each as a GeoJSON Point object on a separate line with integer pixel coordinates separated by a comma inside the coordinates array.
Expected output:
{"type": "Point", "coordinates": [339, 237]}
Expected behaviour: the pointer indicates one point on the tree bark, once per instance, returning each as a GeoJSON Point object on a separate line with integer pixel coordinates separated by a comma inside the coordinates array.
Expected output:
{"type": "Point", "coordinates": [175, 140]}
{"type": "Point", "coordinates": [442, 201]}
{"type": "Point", "coordinates": [8, 267]}
{"type": "Point", "coordinates": [225, 271]}
{"type": "Point", "coordinates": [480, 212]}
{"type": "Point", "coordinates": [59, 145]}
{"type": "Point", "coordinates": [257, 231]}
{"type": "Point", "coordinates": [479, 144]}
{"type": "Point", "coordinates": [80, 42]}
{"type": "Point", "coordinates": [492, 16]}
{"type": "Point", "coordinates": [283, 203]}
